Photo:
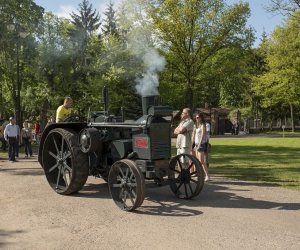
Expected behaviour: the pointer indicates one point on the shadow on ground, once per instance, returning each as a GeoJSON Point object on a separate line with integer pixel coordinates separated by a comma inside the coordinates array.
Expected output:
{"type": "Point", "coordinates": [160, 201]}
{"type": "Point", "coordinates": [214, 194]}
{"type": "Point", "coordinates": [91, 190]}
{"type": "Point", "coordinates": [23, 171]}
{"type": "Point", "coordinates": [223, 194]}
{"type": "Point", "coordinates": [6, 235]}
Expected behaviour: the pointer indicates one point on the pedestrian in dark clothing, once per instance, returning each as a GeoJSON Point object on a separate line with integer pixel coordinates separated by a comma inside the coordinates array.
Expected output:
{"type": "Point", "coordinates": [11, 135]}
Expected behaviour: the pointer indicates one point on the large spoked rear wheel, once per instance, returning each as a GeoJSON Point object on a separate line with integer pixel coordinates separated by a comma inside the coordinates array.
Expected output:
{"type": "Point", "coordinates": [126, 185]}
{"type": "Point", "coordinates": [65, 166]}
{"type": "Point", "coordinates": [186, 176]}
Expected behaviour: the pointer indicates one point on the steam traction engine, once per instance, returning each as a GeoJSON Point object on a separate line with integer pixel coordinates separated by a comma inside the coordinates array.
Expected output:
{"type": "Point", "coordinates": [126, 155]}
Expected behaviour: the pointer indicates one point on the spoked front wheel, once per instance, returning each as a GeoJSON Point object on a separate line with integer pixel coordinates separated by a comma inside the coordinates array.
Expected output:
{"type": "Point", "coordinates": [65, 166]}
{"type": "Point", "coordinates": [186, 176]}
{"type": "Point", "coordinates": [126, 185]}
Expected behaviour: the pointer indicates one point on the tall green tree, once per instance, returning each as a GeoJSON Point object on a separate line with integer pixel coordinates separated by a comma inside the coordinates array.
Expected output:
{"type": "Point", "coordinates": [85, 24]}
{"type": "Point", "coordinates": [53, 71]}
{"type": "Point", "coordinates": [280, 84]}
{"type": "Point", "coordinates": [192, 31]}
{"type": "Point", "coordinates": [19, 22]}
{"type": "Point", "coordinates": [109, 26]}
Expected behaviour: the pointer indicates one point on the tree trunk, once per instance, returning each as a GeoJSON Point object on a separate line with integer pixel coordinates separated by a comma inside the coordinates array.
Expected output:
{"type": "Point", "coordinates": [271, 122]}
{"type": "Point", "coordinates": [292, 117]}
{"type": "Point", "coordinates": [189, 95]}
{"type": "Point", "coordinates": [43, 114]}
{"type": "Point", "coordinates": [46, 103]}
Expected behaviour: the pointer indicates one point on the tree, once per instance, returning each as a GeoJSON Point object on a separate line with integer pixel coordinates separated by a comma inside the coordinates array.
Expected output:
{"type": "Point", "coordinates": [53, 69]}
{"type": "Point", "coordinates": [19, 19]}
{"type": "Point", "coordinates": [280, 84]}
{"type": "Point", "coordinates": [119, 68]}
{"type": "Point", "coordinates": [109, 26]}
{"type": "Point", "coordinates": [284, 7]}
{"type": "Point", "coordinates": [87, 22]}
{"type": "Point", "coordinates": [192, 31]}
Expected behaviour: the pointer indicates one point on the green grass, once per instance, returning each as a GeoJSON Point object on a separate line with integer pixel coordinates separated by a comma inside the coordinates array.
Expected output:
{"type": "Point", "coordinates": [286, 132]}
{"type": "Point", "coordinates": [272, 161]}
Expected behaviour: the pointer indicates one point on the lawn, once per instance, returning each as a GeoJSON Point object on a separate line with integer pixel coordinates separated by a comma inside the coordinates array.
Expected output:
{"type": "Point", "coordinates": [272, 161]}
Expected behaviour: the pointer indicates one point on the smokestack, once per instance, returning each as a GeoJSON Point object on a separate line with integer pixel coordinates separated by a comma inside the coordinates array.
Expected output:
{"type": "Point", "coordinates": [148, 101]}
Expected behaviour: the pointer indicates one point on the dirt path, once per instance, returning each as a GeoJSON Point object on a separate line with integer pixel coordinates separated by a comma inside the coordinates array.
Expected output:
{"type": "Point", "coordinates": [227, 215]}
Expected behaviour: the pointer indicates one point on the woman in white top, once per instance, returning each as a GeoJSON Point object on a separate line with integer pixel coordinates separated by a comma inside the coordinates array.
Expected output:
{"type": "Point", "coordinates": [199, 138]}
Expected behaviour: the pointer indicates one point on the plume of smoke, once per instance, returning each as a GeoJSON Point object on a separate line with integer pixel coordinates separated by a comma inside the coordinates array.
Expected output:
{"type": "Point", "coordinates": [140, 41]}
{"type": "Point", "coordinates": [149, 82]}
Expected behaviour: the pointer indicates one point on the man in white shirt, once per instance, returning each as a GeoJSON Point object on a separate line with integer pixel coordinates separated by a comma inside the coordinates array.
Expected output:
{"type": "Point", "coordinates": [184, 133]}
{"type": "Point", "coordinates": [11, 135]}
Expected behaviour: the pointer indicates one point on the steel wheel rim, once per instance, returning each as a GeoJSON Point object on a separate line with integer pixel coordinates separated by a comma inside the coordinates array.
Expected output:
{"type": "Point", "coordinates": [141, 176]}
{"type": "Point", "coordinates": [186, 182]}
{"type": "Point", "coordinates": [125, 185]}
{"type": "Point", "coordinates": [57, 162]}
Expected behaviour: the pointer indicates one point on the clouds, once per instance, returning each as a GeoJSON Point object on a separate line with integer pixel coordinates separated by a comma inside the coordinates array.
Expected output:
{"type": "Point", "coordinates": [102, 5]}
{"type": "Point", "coordinates": [64, 10]}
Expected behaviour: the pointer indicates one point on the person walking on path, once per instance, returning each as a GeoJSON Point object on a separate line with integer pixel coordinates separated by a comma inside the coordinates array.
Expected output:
{"type": "Point", "coordinates": [184, 133]}
{"type": "Point", "coordinates": [200, 139]}
{"type": "Point", "coordinates": [26, 136]}
{"type": "Point", "coordinates": [11, 135]}
{"type": "Point", "coordinates": [65, 110]}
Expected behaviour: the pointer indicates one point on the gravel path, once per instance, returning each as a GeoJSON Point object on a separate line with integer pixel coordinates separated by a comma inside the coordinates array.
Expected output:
{"type": "Point", "coordinates": [226, 215]}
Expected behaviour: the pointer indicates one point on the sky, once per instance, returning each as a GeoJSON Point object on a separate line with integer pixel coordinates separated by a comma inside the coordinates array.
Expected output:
{"type": "Point", "coordinates": [260, 20]}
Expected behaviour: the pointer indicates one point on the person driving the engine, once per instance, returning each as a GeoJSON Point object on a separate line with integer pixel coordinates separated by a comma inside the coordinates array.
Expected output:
{"type": "Point", "coordinates": [65, 110]}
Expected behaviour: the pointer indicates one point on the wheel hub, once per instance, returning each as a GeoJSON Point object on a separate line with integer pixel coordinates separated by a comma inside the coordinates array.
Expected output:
{"type": "Point", "coordinates": [124, 183]}
{"type": "Point", "coordinates": [185, 176]}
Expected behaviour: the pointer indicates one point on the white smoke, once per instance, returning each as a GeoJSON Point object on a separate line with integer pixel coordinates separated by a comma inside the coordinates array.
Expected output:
{"type": "Point", "coordinates": [140, 40]}
{"type": "Point", "coordinates": [149, 82]}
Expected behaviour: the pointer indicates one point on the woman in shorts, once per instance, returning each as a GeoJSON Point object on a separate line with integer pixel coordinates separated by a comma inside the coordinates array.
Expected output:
{"type": "Point", "coordinates": [199, 138]}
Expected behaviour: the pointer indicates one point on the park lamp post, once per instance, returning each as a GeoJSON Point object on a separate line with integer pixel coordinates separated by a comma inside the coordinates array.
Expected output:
{"type": "Point", "coordinates": [19, 34]}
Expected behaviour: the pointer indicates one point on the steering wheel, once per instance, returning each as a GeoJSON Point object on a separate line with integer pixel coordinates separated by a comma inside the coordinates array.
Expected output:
{"type": "Point", "coordinates": [74, 118]}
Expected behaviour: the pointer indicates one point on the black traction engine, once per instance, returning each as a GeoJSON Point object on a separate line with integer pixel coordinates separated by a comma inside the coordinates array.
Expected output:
{"type": "Point", "coordinates": [125, 154]}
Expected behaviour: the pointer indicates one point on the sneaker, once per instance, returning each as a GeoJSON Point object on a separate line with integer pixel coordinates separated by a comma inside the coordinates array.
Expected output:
{"type": "Point", "coordinates": [207, 178]}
